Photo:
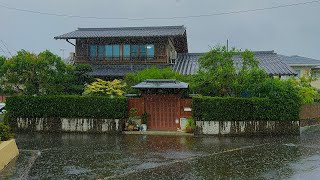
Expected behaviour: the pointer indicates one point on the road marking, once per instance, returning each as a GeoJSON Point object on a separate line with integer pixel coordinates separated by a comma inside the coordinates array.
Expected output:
{"type": "Point", "coordinates": [35, 155]}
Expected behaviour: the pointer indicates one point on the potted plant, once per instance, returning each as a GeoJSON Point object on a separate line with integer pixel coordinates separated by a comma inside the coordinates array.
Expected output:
{"type": "Point", "coordinates": [144, 121]}
{"type": "Point", "coordinates": [132, 115]}
{"type": "Point", "coordinates": [190, 126]}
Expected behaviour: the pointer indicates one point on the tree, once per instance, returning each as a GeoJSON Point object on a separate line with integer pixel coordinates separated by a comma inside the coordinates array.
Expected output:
{"type": "Point", "coordinates": [105, 88]}
{"type": "Point", "coordinates": [218, 75]}
{"type": "Point", "coordinates": [30, 74]}
{"type": "Point", "coordinates": [78, 77]}
{"type": "Point", "coordinates": [151, 73]}
{"type": "Point", "coordinates": [306, 92]}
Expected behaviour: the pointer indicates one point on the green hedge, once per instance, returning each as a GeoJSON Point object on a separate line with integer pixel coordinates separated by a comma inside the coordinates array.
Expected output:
{"type": "Point", "coordinates": [243, 109]}
{"type": "Point", "coordinates": [5, 132]}
{"type": "Point", "coordinates": [67, 107]}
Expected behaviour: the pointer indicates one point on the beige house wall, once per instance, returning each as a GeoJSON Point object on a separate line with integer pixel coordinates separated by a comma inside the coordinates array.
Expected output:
{"type": "Point", "coordinates": [302, 70]}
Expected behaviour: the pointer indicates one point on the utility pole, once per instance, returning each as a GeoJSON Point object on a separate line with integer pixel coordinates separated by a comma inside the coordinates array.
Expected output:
{"type": "Point", "coordinates": [227, 44]}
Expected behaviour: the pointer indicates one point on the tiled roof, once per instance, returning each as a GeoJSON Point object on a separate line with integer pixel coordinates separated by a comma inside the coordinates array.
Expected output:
{"type": "Point", "coordinates": [125, 32]}
{"type": "Point", "coordinates": [299, 61]}
{"type": "Point", "coordinates": [120, 70]}
{"type": "Point", "coordinates": [268, 60]}
{"type": "Point", "coordinates": [161, 84]}
{"type": "Point", "coordinates": [187, 64]}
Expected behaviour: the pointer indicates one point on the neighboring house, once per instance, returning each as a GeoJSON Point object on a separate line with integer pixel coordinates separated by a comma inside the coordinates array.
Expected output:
{"type": "Point", "coordinates": [304, 66]}
{"type": "Point", "coordinates": [115, 52]}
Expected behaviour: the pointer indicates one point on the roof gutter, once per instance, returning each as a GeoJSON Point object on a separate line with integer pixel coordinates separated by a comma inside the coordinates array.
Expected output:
{"type": "Point", "coordinates": [70, 42]}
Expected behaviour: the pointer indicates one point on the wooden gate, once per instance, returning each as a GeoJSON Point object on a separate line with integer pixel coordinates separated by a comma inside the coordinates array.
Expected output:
{"type": "Point", "coordinates": [163, 110]}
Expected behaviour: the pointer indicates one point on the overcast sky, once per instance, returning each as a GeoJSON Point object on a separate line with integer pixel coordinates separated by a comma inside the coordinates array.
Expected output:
{"type": "Point", "coordinates": [289, 31]}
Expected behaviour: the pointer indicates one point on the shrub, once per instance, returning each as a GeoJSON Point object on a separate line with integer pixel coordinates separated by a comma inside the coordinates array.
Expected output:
{"type": "Point", "coordinates": [151, 73]}
{"type": "Point", "coordinates": [105, 88]}
{"type": "Point", "coordinates": [5, 132]}
{"type": "Point", "coordinates": [67, 106]}
{"type": "Point", "coordinates": [242, 109]}
{"type": "Point", "coordinates": [190, 124]}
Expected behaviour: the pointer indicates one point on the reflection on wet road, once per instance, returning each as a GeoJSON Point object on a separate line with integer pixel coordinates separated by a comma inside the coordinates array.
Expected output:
{"type": "Point", "coordinates": [65, 156]}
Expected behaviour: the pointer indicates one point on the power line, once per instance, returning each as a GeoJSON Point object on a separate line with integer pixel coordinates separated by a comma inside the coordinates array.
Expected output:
{"type": "Point", "coordinates": [4, 53]}
{"type": "Point", "coordinates": [3, 5]}
{"type": "Point", "coordinates": [8, 51]}
{"type": "Point", "coordinates": [4, 45]}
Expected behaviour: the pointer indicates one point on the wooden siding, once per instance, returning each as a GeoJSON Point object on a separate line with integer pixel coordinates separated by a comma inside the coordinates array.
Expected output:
{"type": "Point", "coordinates": [310, 111]}
{"type": "Point", "coordinates": [2, 98]}
{"type": "Point", "coordinates": [185, 103]}
{"type": "Point", "coordinates": [137, 103]}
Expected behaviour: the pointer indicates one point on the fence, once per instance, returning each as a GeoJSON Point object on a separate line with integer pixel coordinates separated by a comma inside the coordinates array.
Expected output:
{"type": "Point", "coordinates": [309, 114]}
{"type": "Point", "coordinates": [3, 98]}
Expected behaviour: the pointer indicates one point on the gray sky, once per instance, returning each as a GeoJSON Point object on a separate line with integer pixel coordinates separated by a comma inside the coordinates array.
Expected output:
{"type": "Point", "coordinates": [288, 31]}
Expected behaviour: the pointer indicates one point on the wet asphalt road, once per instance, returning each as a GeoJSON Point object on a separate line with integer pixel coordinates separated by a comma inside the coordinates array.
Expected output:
{"type": "Point", "coordinates": [101, 156]}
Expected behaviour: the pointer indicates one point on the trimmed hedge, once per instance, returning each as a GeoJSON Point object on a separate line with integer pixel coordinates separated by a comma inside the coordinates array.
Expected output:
{"type": "Point", "coordinates": [243, 109]}
{"type": "Point", "coordinates": [67, 107]}
{"type": "Point", "coordinates": [5, 132]}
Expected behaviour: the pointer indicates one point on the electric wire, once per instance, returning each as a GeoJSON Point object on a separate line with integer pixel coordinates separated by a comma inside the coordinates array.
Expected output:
{"type": "Point", "coordinates": [4, 5]}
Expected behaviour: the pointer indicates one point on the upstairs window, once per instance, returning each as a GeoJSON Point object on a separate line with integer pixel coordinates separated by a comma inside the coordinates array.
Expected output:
{"type": "Point", "coordinates": [126, 52]}
{"type": "Point", "coordinates": [93, 52]}
{"type": "Point", "coordinates": [100, 52]}
{"type": "Point", "coordinates": [113, 52]}
{"type": "Point", "coordinates": [150, 51]}
{"type": "Point", "coordinates": [116, 52]}
{"type": "Point", "coordinates": [109, 52]}
{"type": "Point", "coordinates": [142, 52]}
{"type": "Point", "coordinates": [134, 52]}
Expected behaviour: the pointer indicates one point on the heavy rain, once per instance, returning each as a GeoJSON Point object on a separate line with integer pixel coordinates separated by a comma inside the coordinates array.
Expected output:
{"type": "Point", "coordinates": [85, 156]}
{"type": "Point", "coordinates": [159, 89]}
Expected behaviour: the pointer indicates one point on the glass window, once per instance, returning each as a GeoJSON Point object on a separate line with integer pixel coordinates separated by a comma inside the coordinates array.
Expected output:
{"type": "Point", "coordinates": [93, 52]}
{"type": "Point", "coordinates": [150, 51]}
{"type": "Point", "coordinates": [134, 52]}
{"type": "Point", "coordinates": [143, 52]}
{"type": "Point", "coordinates": [109, 52]}
{"type": "Point", "coordinates": [116, 51]}
{"type": "Point", "coordinates": [126, 52]}
{"type": "Point", "coordinates": [100, 52]}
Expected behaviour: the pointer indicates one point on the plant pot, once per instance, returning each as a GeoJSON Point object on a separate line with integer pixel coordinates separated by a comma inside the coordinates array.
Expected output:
{"type": "Point", "coordinates": [130, 127]}
{"type": "Point", "coordinates": [143, 127]}
{"type": "Point", "coordinates": [189, 130]}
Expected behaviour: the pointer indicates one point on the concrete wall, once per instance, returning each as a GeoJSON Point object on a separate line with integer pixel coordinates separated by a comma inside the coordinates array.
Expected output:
{"type": "Point", "coordinates": [246, 127]}
{"type": "Point", "coordinates": [8, 151]}
{"type": "Point", "coordinates": [68, 125]}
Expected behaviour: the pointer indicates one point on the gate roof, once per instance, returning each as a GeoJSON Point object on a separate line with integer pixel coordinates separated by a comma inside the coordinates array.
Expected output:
{"type": "Point", "coordinates": [161, 84]}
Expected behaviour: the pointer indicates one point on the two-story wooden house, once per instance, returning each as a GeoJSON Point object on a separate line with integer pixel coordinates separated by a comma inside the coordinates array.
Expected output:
{"type": "Point", "coordinates": [115, 52]}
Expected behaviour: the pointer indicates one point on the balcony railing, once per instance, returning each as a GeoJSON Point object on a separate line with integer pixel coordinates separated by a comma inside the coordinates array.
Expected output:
{"type": "Point", "coordinates": [121, 59]}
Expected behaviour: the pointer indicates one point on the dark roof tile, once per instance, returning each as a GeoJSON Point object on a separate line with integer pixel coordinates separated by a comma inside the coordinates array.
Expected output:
{"type": "Point", "coordinates": [299, 61]}
{"type": "Point", "coordinates": [125, 32]}
{"type": "Point", "coordinates": [268, 60]}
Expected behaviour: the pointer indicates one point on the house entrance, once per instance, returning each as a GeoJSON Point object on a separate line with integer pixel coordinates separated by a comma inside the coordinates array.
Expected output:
{"type": "Point", "coordinates": [162, 102]}
{"type": "Point", "coordinates": [163, 111]}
